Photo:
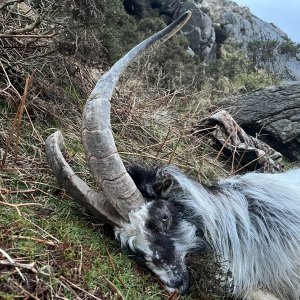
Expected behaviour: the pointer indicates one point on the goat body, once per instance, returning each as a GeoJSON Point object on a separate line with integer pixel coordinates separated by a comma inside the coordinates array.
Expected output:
{"type": "Point", "coordinates": [251, 222]}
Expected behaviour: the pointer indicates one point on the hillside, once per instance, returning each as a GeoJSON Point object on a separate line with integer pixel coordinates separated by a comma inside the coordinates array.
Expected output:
{"type": "Point", "coordinates": [52, 53]}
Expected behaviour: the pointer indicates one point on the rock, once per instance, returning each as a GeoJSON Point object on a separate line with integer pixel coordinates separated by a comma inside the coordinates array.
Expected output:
{"type": "Point", "coordinates": [243, 27]}
{"type": "Point", "coordinates": [199, 30]}
{"type": "Point", "coordinates": [215, 21]}
{"type": "Point", "coordinates": [141, 8]}
{"type": "Point", "coordinates": [273, 114]}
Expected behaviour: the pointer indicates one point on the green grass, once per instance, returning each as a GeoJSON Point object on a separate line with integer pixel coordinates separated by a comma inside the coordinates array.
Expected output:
{"type": "Point", "coordinates": [77, 244]}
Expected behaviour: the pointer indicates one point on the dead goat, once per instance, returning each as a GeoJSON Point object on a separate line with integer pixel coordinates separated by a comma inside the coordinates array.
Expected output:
{"type": "Point", "coordinates": [252, 221]}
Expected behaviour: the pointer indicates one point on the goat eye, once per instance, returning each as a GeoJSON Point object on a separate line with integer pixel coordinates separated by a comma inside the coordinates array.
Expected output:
{"type": "Point", "coordinates": [165, 218]}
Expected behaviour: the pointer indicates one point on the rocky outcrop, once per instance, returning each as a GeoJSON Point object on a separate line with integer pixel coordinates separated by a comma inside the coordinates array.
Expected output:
{"type": "Point", "coordinates": [273, 114]}
{"type": "Point", "coordinates": [243, 27]}
{"type": "Point", "coordinates": [199, 31]}
{"type": "Point", "coordinates": [214, 21]}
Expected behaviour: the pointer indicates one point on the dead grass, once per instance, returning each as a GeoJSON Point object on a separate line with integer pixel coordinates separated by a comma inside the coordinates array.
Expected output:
{"type": "Point", "coordinates": [44, 229]}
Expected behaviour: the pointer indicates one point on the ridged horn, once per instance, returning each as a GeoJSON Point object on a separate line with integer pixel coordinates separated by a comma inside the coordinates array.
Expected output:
{"type": "Point", "coordinates": [102, 157]}
{"type": "Point", "coordinates": [118, 194]}
{"type": "Point", "coordinates": [94, 202]}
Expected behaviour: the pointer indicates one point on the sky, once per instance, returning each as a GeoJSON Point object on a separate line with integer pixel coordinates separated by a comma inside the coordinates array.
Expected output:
{"type": "Point", "coordinates": [284, 14]}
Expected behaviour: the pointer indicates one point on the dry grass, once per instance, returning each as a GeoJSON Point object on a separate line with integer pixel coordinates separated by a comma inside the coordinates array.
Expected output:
{"type": "Point", "coordinates": [44, 231]}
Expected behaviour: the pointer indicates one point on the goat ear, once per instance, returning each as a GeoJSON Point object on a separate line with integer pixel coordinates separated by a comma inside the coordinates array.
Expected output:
{"type": "Point", "coordinates": [163, 187]}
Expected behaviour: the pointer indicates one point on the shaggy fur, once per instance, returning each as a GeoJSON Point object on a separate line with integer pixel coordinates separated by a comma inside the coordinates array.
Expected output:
{"type": "Point", "coordinates": [251, 222]}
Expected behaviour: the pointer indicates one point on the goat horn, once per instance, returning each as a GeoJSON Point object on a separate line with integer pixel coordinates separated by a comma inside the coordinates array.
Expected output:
{"type": "Point", "coordinates": [94, 202]}
{"type": "Point", "coordinates": [102, 157]}
{"type": "Point", "coordinates": [118, 195]}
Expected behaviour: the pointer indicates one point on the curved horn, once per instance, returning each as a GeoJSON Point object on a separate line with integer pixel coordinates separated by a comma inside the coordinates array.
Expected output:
{"type": "Point", "coordinates": [119, 194]}
{"type": "Point", "coordinates": [94, 202]}
{"type": "Point", "coordinates": [102, 157]}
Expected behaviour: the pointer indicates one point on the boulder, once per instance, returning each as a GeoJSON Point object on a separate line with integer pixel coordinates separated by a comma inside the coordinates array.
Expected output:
{"type": "Point", "coordinates": [199, 30]}
{"type": "Point", "coordinates": [273, 114]}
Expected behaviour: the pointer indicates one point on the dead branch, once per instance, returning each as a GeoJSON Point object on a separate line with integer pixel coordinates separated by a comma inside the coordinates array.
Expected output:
{"type": "Point", "coordinates": [16, 122]}
{"type": "Point", "coordinates": [15, 264]}
{"type": "Point", "coordinates": [16, 206]}
{"type": "Point", "coordinates": [29, 238]}
{"type": "Point", "coordinates": [10, 260]}
{"type": "Point", "coordinates": [10, 3]}
{"type": "Point", "coordinates": [32, 36]}
{"type": "Point", "coordinates": [27, 28]}
{"type": "Point", "coordinates": [6, 191]}
{"type": "Point", "coordinates": [20, 115]}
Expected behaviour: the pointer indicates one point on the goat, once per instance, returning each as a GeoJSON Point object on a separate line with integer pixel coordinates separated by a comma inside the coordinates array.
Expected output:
{"type": "Point", "coordinates": [251, 222]}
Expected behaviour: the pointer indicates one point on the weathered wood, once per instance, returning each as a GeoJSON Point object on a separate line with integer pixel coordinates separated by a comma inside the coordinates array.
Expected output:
{"type": "Point", "coordinates": [246, 151]}
{"type": "Point", "coordinates": [273, 114]}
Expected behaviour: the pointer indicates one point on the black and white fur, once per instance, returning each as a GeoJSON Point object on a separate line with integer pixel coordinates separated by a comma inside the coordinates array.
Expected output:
{"type": "Point", "coordinates": [251, 222]}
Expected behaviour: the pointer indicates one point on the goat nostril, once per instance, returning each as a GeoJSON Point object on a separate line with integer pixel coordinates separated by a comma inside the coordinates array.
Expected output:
{"type": "Point", "coordinates": [183, 286]}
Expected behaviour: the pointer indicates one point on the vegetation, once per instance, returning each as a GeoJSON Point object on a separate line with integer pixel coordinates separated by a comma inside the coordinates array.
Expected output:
{"type": "Point", "coordinates": [51, 54]}
{"type": "Point", "coordinates": [263, 54]}
{"type": "Point", "coordinates": [289, 48]}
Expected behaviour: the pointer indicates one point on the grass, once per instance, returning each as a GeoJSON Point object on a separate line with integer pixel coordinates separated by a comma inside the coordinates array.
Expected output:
{"type": "Point", "coordinates": [55, 250]}
{"type": "Point", "coordinates": [59, 238]}
{"type": "Point", "coordinates": [73, 254]}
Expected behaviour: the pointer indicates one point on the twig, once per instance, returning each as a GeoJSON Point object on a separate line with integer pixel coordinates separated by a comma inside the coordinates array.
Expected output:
{"type": "Point", "coordinates": [80, 264]}
{"type": "Point", "coordinates": [40, 228]}
{"type": "Point", "coordinates": [16, 206]}
{"type": "Point", "coordinates": [246, 165]}
{"type": "Point", "coordinates": [29, 266]}
{"type": "Point", "coordinates": [6, 191]}
{"type": "Point", "coordinates": [224, 145]}
{"type": "Point", "coordinates": [8, 80]}
{"type": "Point", "coordinates": [27, 28]}
{"type": "Point", "coordinates": [175, 148]}
{"type": "Point", "coordinates": [17, 93]}
{"type": "Point", "coordinates": [112, 263]}
{"type": "Point", "coordinates": [29, 36]}
{"type": "Point", "coordinates": [21, 237]}
{"type": "Point", "coordinates": [164, 142]}
{"type": "Point", "coordinates": [174, 296]}
{"type": "Point", "coordinates": [36, 56]}
{"type": "Point", "coordinates": [12, 262]}
{"type": "Point", "coordinates": [10, 3]}
{"type": "Point", "coordinates": [17, 116]}
{"type": "Point", "coordinates": [20, 115]}
{"type": "Point", "coordinates": [25, 291]}
{"type": "Point", "coordinates": [78, 288]}
{"type": "Point", "coordinates": [113, 287]}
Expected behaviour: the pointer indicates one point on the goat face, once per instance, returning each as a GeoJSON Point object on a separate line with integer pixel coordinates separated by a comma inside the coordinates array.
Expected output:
{"type": "Point", "coordinates": [157, 234]}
